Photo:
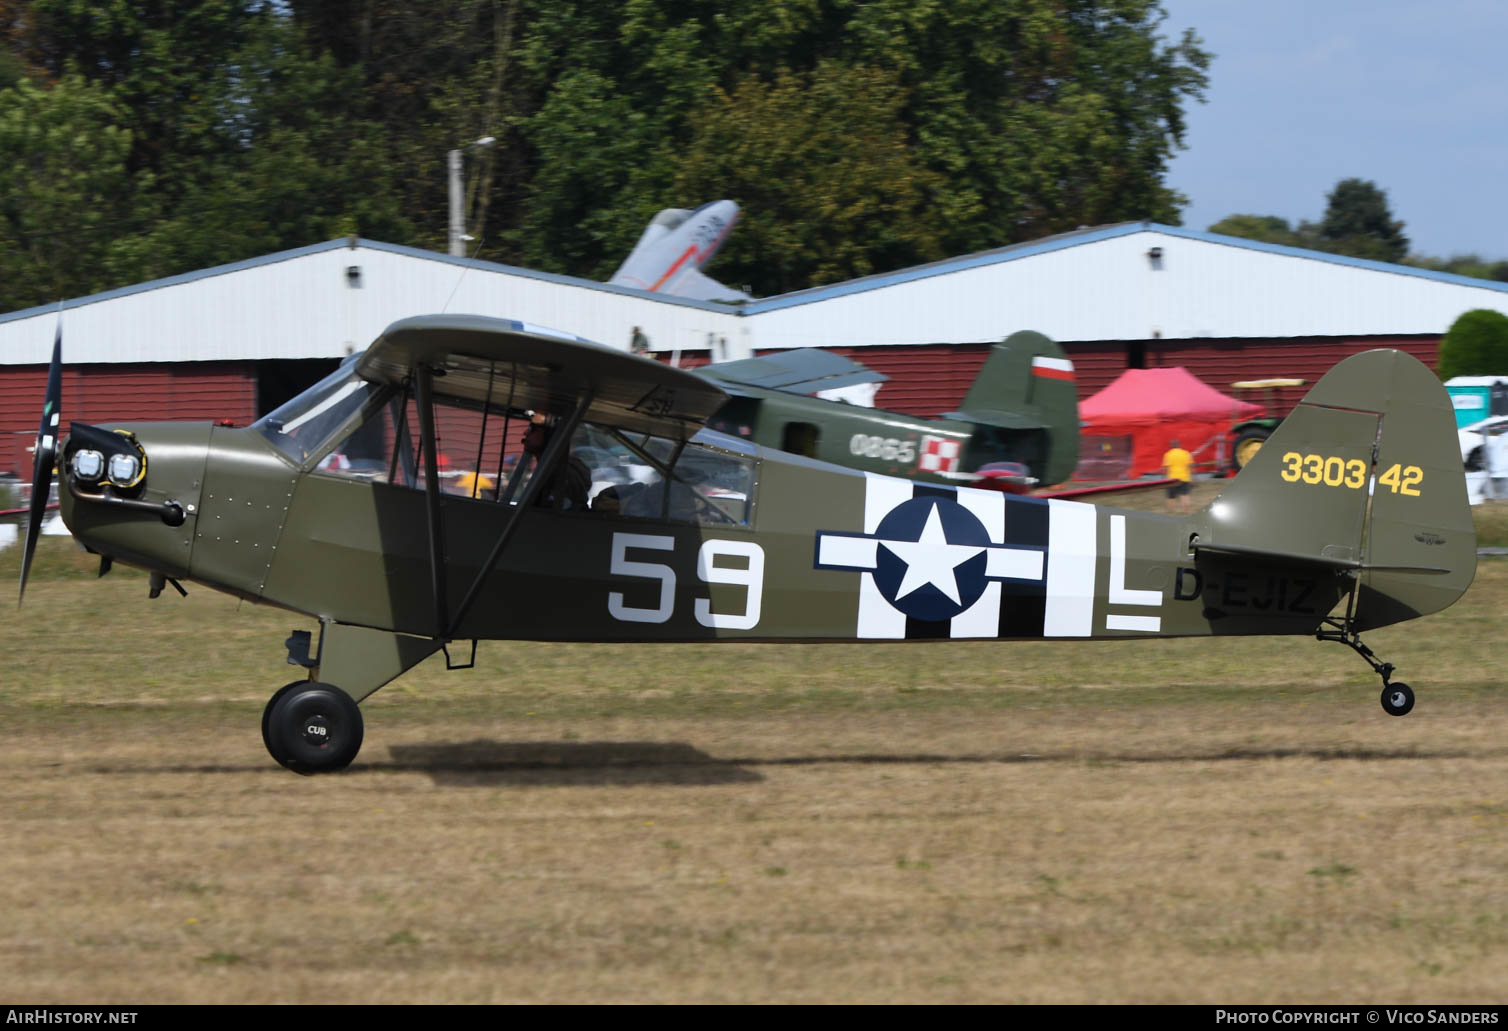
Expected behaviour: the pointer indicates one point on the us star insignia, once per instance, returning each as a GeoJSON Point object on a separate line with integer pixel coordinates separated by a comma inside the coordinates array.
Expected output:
{"type": "Point", "coordinates": [931, 558]}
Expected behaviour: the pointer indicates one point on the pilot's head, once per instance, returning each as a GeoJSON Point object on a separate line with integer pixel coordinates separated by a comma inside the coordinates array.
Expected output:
{"type": "Point", "coordinates": [536, 434]}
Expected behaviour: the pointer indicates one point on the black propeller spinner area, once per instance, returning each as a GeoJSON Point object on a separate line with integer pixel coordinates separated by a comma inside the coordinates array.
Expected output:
{"type": "Point", "coordinates": [46, 458]}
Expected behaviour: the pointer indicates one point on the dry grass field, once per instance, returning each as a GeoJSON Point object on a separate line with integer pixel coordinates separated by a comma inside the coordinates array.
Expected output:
{"type": "Point", "coordinates": [1174, 821]}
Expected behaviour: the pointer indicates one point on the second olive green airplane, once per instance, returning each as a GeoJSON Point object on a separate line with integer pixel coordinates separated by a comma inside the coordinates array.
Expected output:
{"type": "Point", "coordinates": [386, 503]}
{"type": "Point", "coordinates": [1021, 408]}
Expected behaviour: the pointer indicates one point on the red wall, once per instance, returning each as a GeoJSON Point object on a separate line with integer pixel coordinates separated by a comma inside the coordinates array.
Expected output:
{"type": "Point", "coordinates": [928, 379]}
{"type": "Point", "coordinates": [192, 391]}
{"type": "Point", "coordinates": [925, 379]}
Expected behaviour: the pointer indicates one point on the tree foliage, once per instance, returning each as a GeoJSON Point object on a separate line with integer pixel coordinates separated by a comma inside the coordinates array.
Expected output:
{"type": "Point", "coordinates": [1262, 228]}
{"type": "Point", "coordinates": [858, 137]}
{"type": "Point", "coordinates": [64, 191]}
{"type": "Point", "coordinates": [1472, 265]}
{"type": "Point", "coordinates": [1357, 223]}
{"type": "Point", "coordinates": [1475, 345]}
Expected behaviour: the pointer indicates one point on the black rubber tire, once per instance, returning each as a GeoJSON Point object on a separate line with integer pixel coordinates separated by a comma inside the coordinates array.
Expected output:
{"type": "Point", "coordinates": [1397, 699]}
{"type": "Point", "coordinates": [277, 696]}
{"type": "Point", "coordinates": [1242, 451]}
{"type": "Point", "coordinates": [315, 728]}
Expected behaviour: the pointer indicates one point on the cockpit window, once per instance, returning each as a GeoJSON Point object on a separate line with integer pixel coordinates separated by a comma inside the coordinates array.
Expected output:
{"type": "Point", "coordinates": [354, 430]}
{"type": "Point", "coordinates": [706, 484]}
{"type": "Point", "coordinates": [300, 427]}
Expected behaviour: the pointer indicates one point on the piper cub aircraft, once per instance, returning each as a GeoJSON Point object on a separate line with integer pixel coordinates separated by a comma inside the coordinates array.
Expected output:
{"type": "Point", "coordinates": [1022, 408]}
{"type": "Point", "coordinates": [624, 519]}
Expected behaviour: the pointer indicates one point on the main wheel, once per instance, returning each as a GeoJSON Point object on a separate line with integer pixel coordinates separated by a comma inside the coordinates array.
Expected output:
{"type": "Point", "coordinates": [314, 728]}
{"type": "Point", "coordinates": [277, 696]}
{"type": "Point", "coordinates": [1397, 699]}
{"type": "Point", "coordinates": [1248, 444]}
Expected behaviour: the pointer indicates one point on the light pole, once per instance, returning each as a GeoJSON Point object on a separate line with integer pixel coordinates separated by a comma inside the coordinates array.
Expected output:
{"type": "Point", "coordinates": [458, 235]}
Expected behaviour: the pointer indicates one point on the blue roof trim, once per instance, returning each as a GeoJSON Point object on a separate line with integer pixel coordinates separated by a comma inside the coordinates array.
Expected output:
{"type": "Point", "coordinates": [1334, 259]}
{"type": "Point", "coordinates": [1010, 252]}
{"type": "Point", "coordinates": [364, 244]}
{"type": "Point", "coordinates": [1080, 237]}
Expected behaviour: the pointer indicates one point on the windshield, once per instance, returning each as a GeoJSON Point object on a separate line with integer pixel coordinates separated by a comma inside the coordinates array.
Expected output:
{"type": "Point", "coordinates": [300, 427]}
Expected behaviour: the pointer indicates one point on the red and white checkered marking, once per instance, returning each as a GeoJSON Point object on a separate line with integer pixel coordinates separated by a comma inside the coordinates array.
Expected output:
{"type": "Point", "coordinates": [939, 455]}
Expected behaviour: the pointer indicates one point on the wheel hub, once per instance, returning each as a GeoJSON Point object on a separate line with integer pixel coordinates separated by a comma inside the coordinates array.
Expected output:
{"type": "Point", "coordinates": [315, 730]}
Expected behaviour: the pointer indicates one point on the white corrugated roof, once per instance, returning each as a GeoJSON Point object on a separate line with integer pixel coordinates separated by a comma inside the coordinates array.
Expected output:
{"type": "Point", "coordinates": [1094, 284]}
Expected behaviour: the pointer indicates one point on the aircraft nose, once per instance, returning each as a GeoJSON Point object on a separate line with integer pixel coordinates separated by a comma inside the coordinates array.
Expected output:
{"type": "Point", "coordinates": [132, 491]}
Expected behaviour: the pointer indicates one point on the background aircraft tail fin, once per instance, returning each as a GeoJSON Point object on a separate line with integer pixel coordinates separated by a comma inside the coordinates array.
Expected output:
{"type": "Point", "coordinates": [1365, 475]}
{"type": "Point", "coordinates": [1027, 382]}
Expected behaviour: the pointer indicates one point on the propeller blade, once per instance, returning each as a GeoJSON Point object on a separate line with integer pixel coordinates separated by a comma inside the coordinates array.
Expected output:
{"type": "Point", "coordinates": [46, 457]}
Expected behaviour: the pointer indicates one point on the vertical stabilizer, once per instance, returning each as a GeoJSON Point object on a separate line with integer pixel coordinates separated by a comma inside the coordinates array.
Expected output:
{"type": "Point", "coordinates": [1028, 380]}
{"type": "Point", "coordinates": [1364, 476]}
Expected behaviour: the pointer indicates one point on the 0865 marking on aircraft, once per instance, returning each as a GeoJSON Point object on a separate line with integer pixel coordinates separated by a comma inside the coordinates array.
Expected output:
{"type": "Point", "coordinates": [386, 503]}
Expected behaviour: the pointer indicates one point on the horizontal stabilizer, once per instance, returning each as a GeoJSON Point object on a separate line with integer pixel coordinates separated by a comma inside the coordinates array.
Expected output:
{"type": "Point", "coordinates": [1328, 561]}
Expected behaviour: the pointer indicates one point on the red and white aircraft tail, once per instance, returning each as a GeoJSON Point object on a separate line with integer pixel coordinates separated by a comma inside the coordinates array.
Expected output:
{"type": "Point", "coordinates": [674, 247]}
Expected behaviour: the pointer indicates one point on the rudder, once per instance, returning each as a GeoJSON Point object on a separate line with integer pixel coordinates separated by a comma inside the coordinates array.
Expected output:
{"type": "Point", "coordinates": [1364, 475]}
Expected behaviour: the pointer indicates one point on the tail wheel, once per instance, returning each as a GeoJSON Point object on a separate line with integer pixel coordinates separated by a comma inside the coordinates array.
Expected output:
{"type": "Point", "coordinates": [1397, 699]}
{"type": "Point", "coordinates": [313, 728]}
{"type": "Point", "coordinates": [1248, 444]}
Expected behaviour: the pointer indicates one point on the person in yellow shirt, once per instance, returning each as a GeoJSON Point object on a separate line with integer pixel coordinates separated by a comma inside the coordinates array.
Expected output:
{"type": "Point", "coordinates": [1178, 465]}
{"type": "Point", "coordinates": [473, 485]}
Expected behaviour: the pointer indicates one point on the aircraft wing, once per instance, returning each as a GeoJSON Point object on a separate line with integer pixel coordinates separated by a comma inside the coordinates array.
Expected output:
{"type": "Point", "coordinates": [805, 370]}
{"type": "Point", "coordinates": [698, 286]}
{"type": "Point", "coordinates": [542, 370]}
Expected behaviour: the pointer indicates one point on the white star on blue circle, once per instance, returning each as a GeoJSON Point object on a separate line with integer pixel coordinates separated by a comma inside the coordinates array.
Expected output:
{"type": "Point", "coordinates": [932, 558]}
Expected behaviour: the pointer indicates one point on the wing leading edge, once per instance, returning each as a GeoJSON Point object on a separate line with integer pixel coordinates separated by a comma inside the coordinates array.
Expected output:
{"type": "Point", "coordinates": [475, 357]}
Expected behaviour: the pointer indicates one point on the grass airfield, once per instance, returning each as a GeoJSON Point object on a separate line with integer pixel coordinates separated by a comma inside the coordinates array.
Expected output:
{"type": "Point", "coordinates": [1186, 821]}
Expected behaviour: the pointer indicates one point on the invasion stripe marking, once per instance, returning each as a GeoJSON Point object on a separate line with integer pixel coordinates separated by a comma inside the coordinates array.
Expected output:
{"type": "Point", "coordinates": [1071, 555]}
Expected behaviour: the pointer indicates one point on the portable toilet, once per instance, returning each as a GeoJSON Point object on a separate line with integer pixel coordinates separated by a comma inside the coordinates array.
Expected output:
{"type": "Point", "coordinates": [1477, 397]}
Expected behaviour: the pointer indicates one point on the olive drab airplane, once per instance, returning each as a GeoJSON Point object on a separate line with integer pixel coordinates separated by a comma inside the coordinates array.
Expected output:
{"type": "Point", "coordinates": [623, 519]}
{"type": "Point", "coordinates": [1022, 408]}
{"type": "Point", "coordinates": [674, 247]}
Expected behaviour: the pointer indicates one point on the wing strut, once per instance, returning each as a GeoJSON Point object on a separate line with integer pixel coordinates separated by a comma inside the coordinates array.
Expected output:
{"type": "Point", "coordinates": [424, 395]}
{"type": "Point", "coordinates": [555, 453]}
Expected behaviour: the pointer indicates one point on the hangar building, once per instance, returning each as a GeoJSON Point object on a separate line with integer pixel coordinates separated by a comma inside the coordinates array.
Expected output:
{"type": "Point", "coordinates": [232, 342]}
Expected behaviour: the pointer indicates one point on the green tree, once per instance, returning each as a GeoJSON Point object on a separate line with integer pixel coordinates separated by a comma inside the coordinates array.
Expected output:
{"type": "Point", "coordinates": [1475, 345]}
{"type": "Point", "coordinates": [1034, 116]}
{"type": "Point", "coordinates": [1358, 222]}
{"type": "Point", "coordinates": [255, 125]}
{"type": "Point", "coordinates": [1043, 115]}
{"type": "Point", "coordinates": [290, 164]}
{"type": "Point", "coordinates": [433, 77]}
{"type": "Point", "coordinates": [1263, 228]}
{"type": "Point", "coordinates": [238, 141]}
{"type": "Point", "coordinates": [1473, 265]}
{"type": "Point", "coordinates": [65, 191]}
{"type": "Point", "coordinates": [831, 189]}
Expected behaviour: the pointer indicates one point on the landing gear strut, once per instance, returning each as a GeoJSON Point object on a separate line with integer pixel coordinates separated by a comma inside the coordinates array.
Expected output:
{"type": "Point", "coordinates": [1397, 699]}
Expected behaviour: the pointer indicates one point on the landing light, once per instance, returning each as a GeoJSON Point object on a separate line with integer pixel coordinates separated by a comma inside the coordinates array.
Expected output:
{"type": "Point", "coordinates": [125, 470]}
{"type": "Point", "coordinates": [1220, 510]}
{"type": "Point", "coordinates": [88, 465]}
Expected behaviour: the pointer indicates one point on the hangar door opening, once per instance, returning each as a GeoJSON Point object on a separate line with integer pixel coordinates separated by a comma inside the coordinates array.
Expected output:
{"type": "Point", "coordinates": [282, 379]}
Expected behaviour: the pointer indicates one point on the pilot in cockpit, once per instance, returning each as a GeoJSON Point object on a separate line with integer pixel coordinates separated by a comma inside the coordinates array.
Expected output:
{"type": "Point", "coordinates": [568, 488]}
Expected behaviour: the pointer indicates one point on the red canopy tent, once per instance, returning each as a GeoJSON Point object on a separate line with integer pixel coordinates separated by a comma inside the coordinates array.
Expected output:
{"type": "Point", "coordinates": [1155, 407]}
